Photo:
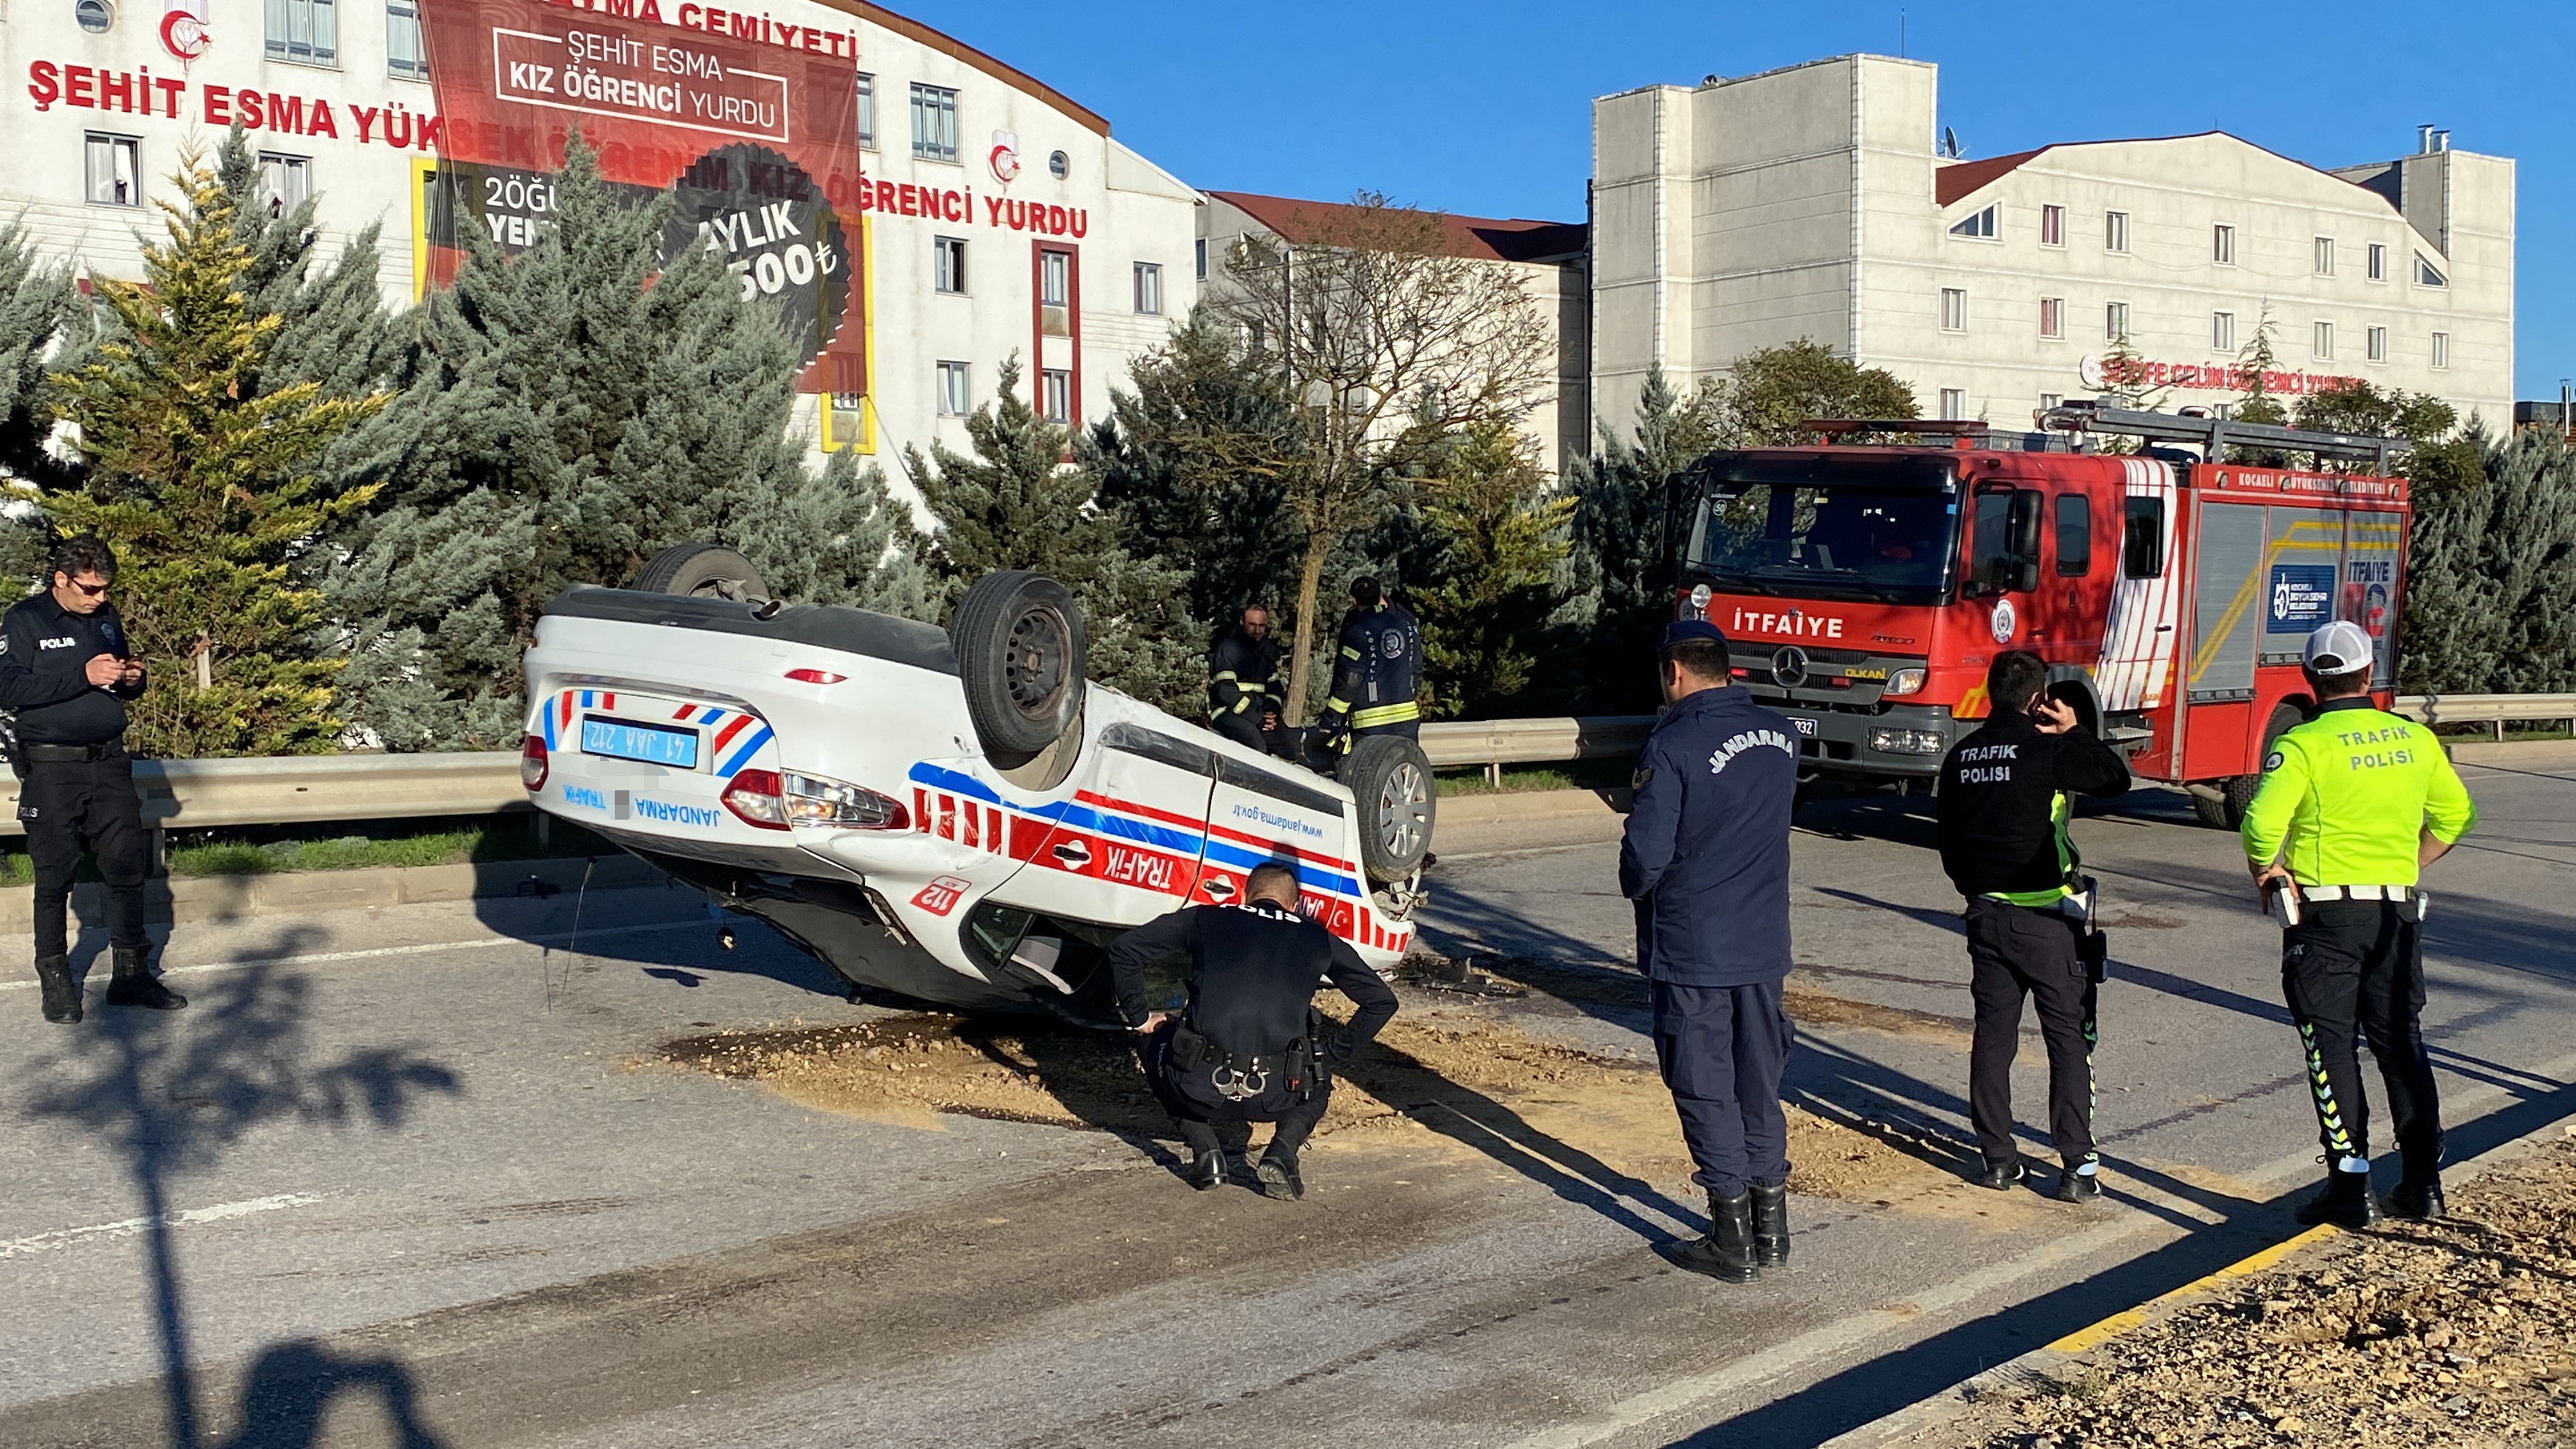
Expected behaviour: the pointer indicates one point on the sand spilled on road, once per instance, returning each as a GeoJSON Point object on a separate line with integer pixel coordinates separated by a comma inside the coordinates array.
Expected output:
{"type": "Point", "coordinates": [1433, 1073]}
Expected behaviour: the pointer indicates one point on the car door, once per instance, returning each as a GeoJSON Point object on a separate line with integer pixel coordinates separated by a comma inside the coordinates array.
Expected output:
{"type": "Point", "coordinates": [1123, 845]}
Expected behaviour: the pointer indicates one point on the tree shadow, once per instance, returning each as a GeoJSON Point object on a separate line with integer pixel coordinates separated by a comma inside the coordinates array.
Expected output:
{"type": "Point", "coordinates": [172, 1092]}
{"type": "Point", "coordinates": [293, 1384]}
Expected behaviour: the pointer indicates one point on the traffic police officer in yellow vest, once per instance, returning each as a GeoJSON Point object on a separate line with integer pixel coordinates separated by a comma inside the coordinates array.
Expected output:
{"type": "Point", "coordinates": [1377, 673]}
{"type": "Point", "coordinates": [2362, 800]}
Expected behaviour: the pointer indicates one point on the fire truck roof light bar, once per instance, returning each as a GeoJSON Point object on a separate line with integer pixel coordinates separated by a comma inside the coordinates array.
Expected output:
{"type": "Point", "coordinates": [2214, 433]}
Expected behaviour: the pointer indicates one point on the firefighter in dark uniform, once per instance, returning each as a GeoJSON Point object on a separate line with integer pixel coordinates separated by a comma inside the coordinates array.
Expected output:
{"type": "Point", "coordinates": [1245, 698]}
{"type": "Point", "coordinates": [1247, 1045]}
{"type": "Point", "coordinates": [1706, 859]}
{"type": "Point", "coordinates": [65, 672]}
{"type": "Point", "coordinates": [1377, 673]}
{"type": "Point", "coordinates": [2353, 805]}
{"type": "Point", "coordinates": [2006, 793]}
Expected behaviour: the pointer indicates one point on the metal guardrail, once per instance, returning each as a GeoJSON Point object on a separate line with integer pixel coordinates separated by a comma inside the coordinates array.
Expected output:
{"type": "Point", "coordinates": [2488, 709]}
{"type": "Point", "coordinates": [285, 790]}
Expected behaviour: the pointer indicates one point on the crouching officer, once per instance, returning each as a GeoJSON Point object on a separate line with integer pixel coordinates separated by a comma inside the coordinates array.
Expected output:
{"type": "Point", "coordinates": [1245, 697]}
{"type": "Point", "coordinates": [1248, 1045]}
{"type": "Point", "coordinates": [1706, 859]}
{"type": "Point", "coordinates": [2006, 792]}
{"type": "Point", "coordinates": [66, 673]}
{"type": "Point", "coordinates": [1378, 672]}
{"type": "Point", "coordinates": [2363, 800]}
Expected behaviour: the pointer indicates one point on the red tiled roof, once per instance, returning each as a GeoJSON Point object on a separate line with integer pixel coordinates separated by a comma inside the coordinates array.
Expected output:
{"type": "Point", "coordinates": [1516, 239]}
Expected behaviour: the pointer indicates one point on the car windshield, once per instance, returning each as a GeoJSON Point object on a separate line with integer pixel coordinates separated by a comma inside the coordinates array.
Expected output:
{"type": "Point", "coordinates": [1830, 527]}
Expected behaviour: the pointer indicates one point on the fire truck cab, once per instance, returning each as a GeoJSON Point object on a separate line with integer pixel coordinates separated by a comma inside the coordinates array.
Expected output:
{"type": "Point", "coordinates": [1865, 589]}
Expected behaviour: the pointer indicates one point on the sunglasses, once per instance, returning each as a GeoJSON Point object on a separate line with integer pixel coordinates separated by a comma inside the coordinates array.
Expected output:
{"type": "Point", "coordinates": [89, 591]}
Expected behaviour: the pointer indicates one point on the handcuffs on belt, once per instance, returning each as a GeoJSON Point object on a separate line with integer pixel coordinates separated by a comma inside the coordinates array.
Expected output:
{"type": "Point", "coordinates": [1236, 1084]}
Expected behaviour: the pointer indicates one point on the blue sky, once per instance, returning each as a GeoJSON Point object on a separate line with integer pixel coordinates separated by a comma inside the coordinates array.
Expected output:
{"type": "Point", "coordinates": [1485, 108]}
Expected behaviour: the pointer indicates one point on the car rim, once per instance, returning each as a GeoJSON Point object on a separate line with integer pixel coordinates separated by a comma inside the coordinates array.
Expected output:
{"type": "Point", "coordinates": [1033, 664]}
{"type": "Point", "coordinates": [1401, 807]}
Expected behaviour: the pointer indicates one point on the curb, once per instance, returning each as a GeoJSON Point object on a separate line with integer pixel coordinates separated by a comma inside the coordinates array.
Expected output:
{"type": "Point", "coordinates": [2543, 753]}
{"type": "Point", "coordinates": [182, 899]}
{"type": "Point", "coordinates": [1928, 1414]}
{"type": "Point", "coordinates": [1497, 808]}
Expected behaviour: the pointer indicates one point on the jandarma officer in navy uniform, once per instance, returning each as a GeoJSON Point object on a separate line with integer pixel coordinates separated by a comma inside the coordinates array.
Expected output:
{"type": "Point", "coordinates": [1706, 859]}
{"type": "Point", "coordinates": [66, 673]}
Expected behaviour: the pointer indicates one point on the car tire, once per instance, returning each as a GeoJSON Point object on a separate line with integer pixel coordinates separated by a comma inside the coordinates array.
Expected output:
{"type": "Point", "coordinates": [1391, 778]}
{"type": "Point", "coordinates": [1021, 656]}
{"type": "Point", "coordinates": [2236, 792]}
{"type": "Point", "coordinates": [702, 570]}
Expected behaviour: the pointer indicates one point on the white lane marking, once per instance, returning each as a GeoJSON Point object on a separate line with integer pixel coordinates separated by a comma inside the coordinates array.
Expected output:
{"type": "Point", "coordinates": [552, 938]}
{"type": "Point", "coordinates": [1694, 1390]}
{"type": "Point", "coordinates": [193, 1217]}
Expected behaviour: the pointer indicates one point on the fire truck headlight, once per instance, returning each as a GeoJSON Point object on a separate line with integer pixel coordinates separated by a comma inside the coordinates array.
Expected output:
{"type": "Point", "coordinates": [1905, 742]}
{"type": "Point", "coordinates": [1904, 681]}
{"type": "Point", "coordinates": [1699, 597]}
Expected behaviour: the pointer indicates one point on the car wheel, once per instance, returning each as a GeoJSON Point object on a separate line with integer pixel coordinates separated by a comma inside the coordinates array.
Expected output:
{"type": "Point", "coordinates": [1391, 778]}
{"type": "Point", "coordinates": [702, 570]}
{"type": "Point", "coordinates": [1021, 657]}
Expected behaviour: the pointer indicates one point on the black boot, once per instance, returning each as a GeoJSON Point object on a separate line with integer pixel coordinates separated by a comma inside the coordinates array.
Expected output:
{"type": "Point", "coordinates": [1771, 1225]}
{"type": "Point", "coordinates": [1207, 1169]}
{"type": "Point", "coordinates": [2346, 1201]}
{"type": "Point", "coordinates": [2415, 1197]}
{"type": "Point", "coordinates": [132, 983]}
{"type": "Point", "coordinates": [62, 994]}
{"type": "Point", "coordinates": [1726, 1254]}
{"type": "Point", "coordinates": [1278, 1174]}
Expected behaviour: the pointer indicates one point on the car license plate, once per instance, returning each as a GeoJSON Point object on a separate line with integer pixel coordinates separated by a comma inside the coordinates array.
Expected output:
{"type": "Point", "coordinates": [650, 744]}
{"type": "Point", "coordinates": [1805, 725]}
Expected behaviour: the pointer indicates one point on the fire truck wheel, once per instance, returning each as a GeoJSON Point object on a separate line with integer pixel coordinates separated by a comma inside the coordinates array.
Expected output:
{"type": "Point", "coordinates": [702, 570]}
{"type": "Point", "coordinates": [1021, 656]}
{"type": "Point", "coordinates": [1391, 778]}
{"type": "Point", "coordinates": [2236, 792]}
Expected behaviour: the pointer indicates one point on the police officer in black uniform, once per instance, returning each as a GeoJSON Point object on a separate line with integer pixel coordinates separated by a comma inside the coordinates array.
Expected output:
{"type": "Point", "coordinates": [1248, 1045]}
{"type": "Point", "coordinates": [1706, 859]}
{"type": "Point", "coordinates": [65, 672]}
{"type": "Point", "coordinates": [1377, 673]}
{"type": "Point", "coordinates": [2005, 796]}
{"type": "Point", "coordinates": [1245, 698]}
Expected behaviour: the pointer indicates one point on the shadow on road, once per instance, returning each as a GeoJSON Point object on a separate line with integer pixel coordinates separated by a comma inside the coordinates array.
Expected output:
{"type": "Point", "coordinates": [292, 1384]}
{"type": "Point", "coordinates": [667, 931]}
{"type": "Point", "coordinates": [171, 1093]}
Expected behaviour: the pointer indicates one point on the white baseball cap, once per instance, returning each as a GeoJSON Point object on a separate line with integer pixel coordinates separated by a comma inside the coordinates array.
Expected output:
{"type": "Point", "coordinates": [2339, 648]}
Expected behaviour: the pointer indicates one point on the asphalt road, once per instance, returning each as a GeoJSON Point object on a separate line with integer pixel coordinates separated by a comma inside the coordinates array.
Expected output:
{"type": "Point", "coordinates": [397, 1177]}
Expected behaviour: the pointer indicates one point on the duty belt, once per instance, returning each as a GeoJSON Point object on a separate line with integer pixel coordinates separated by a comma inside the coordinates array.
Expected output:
{"type": "Point", "coordinates": [74, 754]}
{"type": "Point", "coordinates": [2358, 893]}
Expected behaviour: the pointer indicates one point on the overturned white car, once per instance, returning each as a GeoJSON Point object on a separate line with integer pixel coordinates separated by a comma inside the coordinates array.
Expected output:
{"type": "Point", "coordinates": [958, 816]}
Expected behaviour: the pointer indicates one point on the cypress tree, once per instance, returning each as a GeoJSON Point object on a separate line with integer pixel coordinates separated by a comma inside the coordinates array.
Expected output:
{"type": "Point", "coordinates": [38, 307]}
{"type": "Point", "coordinates": [566, 414]}
{"type": "Point", "coordinates": [1621, 562]}
{"type": "Point", "coordinates": [1492, 642]}
{"type": "Point", "coordinates": [198, 476]}
{"type": "Point", "coordinates": [1018, 504]}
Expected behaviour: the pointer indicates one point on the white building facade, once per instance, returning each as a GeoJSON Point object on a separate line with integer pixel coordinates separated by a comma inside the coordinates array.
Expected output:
{"type": "Point", "coordinates": [1075, 253]}
{"type": "Point", "coordinates": [1812, 202]}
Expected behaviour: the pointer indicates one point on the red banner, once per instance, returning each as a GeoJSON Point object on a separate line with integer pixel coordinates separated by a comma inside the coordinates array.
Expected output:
{"type": "Point", "coordinates": [761, 139]}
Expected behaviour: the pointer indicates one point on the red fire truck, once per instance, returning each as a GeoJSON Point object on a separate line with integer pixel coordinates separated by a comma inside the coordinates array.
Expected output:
{"type": "Point", "coordinates": [1865, 589]}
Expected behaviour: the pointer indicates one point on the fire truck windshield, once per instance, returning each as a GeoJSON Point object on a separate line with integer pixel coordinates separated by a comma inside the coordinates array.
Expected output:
{"type": "Point", "coordinates": [1827, 527]}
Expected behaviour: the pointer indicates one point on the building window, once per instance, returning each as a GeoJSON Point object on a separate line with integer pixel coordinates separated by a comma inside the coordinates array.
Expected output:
{"type": "Point", "coordinates": [1202, 258]}
{"type": "Point", "coordinates": [2222, 331]}
{"type": "Point", "coordinates": [115, 170]}
{"type": "Point", "coordinates": [2052, 226]}
{"type": "Point", "coordinates": [1149, 288]}
{"type": "Point", "coordinates": [948, 264]}
{"type": "Point", "coordinates": [867, 111]}
{"type": "Point", "coordinates": [953, 399]}
{"type": "Point", "coordinates": [2376, 340]}
{"type": "Point", "coordinates": [1954, 403]}
{"type": "Point", "coordinates": [2115, 322]}
{"type": "Point", "coordinates": [307, 31]}
{"type": "Point", "coordinates": [94, 16]}
{"type": "Point", "coordinates": [1981, 224]}
{"type": "Point", "coordinates": [284, 182]}
{"type": "Point", "coordinates": [1055, 395]}
{"type": "Point", "coordinates": [405, 56]}
{"type": "Point", "coordinates": [2325, 256]}
{"type": "Point", "coordinates": [2052, 316]}
{"type": "Point", "coordinates": [2441, 349]}
{"type": "Point", "coordinates": [2378, 262]}
{"type": "Point", "coordinates": [1055, 279]}
{"type": "Point", "coordinates": [2427, 275]}
{"type": "Point", "coordinates": [2048, 401]}
{"type": "Point", "coordinates": [1954, 309]}
{"type": "Point", "coordinates": [2321, 339]}
{"type": "Point", "coordinates": [934, 122]}
{"type": "Point", "coordinates": [2222, 411]}
{"type": "Point", "coordinates": [2222, 245]}
{"type": "Point", "coordinates": [2115, 231]}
